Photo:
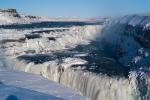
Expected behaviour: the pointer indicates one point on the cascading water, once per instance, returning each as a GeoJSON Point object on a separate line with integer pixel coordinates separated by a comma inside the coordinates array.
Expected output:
{"type": "Point", "coordinates": [97, 68]}
{"type": "Point", "coordinates": [95, 87]}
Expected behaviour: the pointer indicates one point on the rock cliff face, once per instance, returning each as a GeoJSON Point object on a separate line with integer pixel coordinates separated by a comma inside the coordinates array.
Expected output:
{"type": "Point", "coordinates": [12, 12]}
{"type": "Point", "coordinates": [11, 16]}
{"type": "Point", "coordinates": [8, 10]}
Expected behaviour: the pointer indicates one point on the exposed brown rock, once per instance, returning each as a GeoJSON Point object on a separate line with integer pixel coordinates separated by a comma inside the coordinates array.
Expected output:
{"type": "Point", "coordinates": [13, 12]}
{"type": "Point", "coordinates": [8, 10]}
{"type": "Point", "coordinates": [31, 17]}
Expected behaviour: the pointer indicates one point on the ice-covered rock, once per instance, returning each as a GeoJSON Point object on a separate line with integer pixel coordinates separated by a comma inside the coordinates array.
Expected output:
{"type": "Point", "coordinates": [129, 39]}
{"type": "Point", "coordinates": [68, 62]}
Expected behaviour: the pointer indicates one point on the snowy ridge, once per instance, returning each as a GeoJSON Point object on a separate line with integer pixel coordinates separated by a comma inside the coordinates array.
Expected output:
{"type": "Point", "coordinates": [134, 20]}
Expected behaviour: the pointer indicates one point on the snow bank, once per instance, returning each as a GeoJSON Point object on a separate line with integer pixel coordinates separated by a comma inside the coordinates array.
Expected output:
{"type": "Point", "coordinates": [25, 86]}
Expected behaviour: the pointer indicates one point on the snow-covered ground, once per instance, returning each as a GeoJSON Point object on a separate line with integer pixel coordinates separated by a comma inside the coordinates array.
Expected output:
{"type": "Point", "coordinates": [24, 86]}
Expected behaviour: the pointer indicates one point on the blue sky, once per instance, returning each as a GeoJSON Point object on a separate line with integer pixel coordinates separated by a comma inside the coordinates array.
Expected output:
{"type": "Point", "coordinates": [78, 8]}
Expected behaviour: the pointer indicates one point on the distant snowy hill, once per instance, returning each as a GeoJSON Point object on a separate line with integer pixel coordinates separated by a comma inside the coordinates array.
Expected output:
{"type": "Point", "coordinates": [9, 16]}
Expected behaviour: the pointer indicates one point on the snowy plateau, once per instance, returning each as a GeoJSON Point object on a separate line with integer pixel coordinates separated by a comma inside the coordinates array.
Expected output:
{"type": "Point", "coordinates": [95, 59]}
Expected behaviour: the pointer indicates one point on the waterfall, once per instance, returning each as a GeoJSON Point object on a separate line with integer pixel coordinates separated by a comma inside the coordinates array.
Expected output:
{"type": "Point", "coordinates": [92, 85]}
{"type": "Point", "coordinates": [95, 87]}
